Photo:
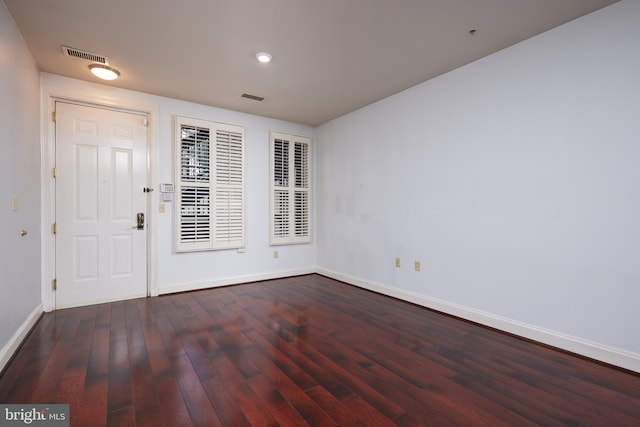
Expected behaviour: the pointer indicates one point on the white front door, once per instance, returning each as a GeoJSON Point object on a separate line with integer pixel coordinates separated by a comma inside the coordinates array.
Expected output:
{"type": "Point", "coordinates": [101, 172]}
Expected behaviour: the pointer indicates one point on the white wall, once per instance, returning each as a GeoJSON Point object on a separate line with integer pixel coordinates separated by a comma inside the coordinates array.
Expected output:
{"type": "Point", "coordinates": [20, 177]}
{"type": "Point", "coordinates": [185, 271]}
{"type": "Point", "coordinates": [515, 181]}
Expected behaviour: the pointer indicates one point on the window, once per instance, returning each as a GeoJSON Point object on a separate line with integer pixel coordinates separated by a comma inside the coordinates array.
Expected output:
{"type": "Point", "coordinates": [290, 178]}
{"type": "Point", "coordinates": [210, 185]}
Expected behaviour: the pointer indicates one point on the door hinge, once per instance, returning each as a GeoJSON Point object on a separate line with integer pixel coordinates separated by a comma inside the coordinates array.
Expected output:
{"type": "Point", "coordinates": [55, 172]}
{"type": "Point", "coordinates": [53, 116]}
{"type": "Point", "coordinates": [54, 228]}
{"type": "Point", "coordinates": [54, 284]}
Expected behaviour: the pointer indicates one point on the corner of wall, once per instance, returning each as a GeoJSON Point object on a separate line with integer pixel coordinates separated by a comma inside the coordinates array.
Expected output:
{"type": "Point", "coordinates": [10, 348]}
{"type": "Point", "coordinates": [610, 355]}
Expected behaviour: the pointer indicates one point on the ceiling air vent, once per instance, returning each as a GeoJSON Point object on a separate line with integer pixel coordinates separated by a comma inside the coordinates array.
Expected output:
{"type": "Point", "coordinates": [254, 97]}
{"type": "Point", "coordinates": [83, 54]}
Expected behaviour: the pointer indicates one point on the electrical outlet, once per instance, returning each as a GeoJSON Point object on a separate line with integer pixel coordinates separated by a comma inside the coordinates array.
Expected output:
{"type": "Point", "coordinates": [397, 262]}
{"type": "Point", "coordinates": [275, 254]}
{"type": "Point", "coordinates": [416, 265]}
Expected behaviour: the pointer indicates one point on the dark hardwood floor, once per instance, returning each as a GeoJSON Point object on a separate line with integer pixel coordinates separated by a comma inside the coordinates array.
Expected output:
{"type": "Point", "coordinates": [304, 351]}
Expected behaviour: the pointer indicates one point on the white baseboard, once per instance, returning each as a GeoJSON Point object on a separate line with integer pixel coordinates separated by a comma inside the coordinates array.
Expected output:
{"type": "Point", "coordinates": [611, 355]}
{"type": "Point", "coordinates": [9, 349]}
{"type": "Point", "coordinates": [193, 286]}
{"type": "Point", "coordinates": [100, 301]}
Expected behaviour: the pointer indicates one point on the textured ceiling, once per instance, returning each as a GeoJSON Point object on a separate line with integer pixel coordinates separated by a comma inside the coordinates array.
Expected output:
{"type": "Point", "coordinates": [330, 57]}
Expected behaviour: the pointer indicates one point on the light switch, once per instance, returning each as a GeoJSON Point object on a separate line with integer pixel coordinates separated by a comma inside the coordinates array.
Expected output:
{"type": "Point", "coordinates": [397, 261]}
{"type": "Point", "coordinates": [14, 203]}
{"type": "Point", "coordinates": [417, 265]}
{"type": "Point", "coordinates": [161, 207]}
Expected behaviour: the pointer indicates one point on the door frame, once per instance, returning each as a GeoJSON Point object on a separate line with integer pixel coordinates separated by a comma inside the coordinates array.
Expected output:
{"type": "Point", "coordinates": [48, 195]}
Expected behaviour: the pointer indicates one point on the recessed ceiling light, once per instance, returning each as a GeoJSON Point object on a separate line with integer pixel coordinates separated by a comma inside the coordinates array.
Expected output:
{"type": "Point", "coordinates": [104, 71]}
{"type": "Point", "coordinates": [263, 57]}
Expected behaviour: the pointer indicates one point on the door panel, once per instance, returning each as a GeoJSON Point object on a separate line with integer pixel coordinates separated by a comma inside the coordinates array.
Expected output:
{"type": "Point", "coordinates": [101, 255]}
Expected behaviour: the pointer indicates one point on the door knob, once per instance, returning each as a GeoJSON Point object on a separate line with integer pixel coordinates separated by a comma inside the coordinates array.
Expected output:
{"type": "Point", "coordinates": [140, 221]}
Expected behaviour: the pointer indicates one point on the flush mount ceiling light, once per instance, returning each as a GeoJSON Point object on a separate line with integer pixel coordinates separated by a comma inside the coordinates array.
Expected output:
{"type": "Point", "coordinates": [263, 57]}
{"type": "Point", "coordinates": [104, 71]}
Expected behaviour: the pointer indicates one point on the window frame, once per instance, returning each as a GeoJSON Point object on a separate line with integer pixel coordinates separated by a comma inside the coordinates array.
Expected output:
{"type": "Point", "coordinates": [277, 191]}
{"type": "Point", "coordinates": [223, 178]}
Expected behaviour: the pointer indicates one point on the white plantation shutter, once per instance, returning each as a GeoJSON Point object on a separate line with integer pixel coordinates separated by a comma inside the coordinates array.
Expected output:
{"type": "Point", "coordinates": [280, 163]}
{"type": "Point", "coordinates": [301, 216]}
{"type": "Point", "coordinates": [301, 157]}
{"type": "Point", "coordinates": [301, 192]}
{"type": "Point", "coordinates": [281, 214]}
{"type": "Point", "coordinates": [290, 185]}
{"type": "Point", "coordinates": [195, 212]}
{"type": "Point", "coordinates": [229, 189]}
{"type": "Point", "coordinates": [210, 185]}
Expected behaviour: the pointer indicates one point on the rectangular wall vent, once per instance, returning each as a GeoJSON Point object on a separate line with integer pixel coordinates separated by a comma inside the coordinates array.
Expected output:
{"type": "Point", "coordinates": [254, 97]}
{"type": "Point", "coordinates": [83, 54]}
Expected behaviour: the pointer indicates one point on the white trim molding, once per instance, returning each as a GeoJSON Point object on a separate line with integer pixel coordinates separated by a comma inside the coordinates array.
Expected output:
{"type": "Point", "coordinates": [611, 355]}
{"type": "Point", "coordinates": [55, 92]}
{"type": "Point", "coordinates": [100, 301]}
{"type": "Point", "coordinates": [236, 280]}
{"type": "Point", "coordinates": [11, 347]}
